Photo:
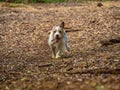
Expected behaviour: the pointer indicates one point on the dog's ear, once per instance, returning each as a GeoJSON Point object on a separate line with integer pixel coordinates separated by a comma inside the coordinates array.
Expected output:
{"type": "Point", "coordinates": [62, 24]}
{"type": "Point", "coordinates": [48, 32]}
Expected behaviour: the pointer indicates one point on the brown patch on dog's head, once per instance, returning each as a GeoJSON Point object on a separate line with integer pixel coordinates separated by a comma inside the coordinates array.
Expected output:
{"type": "Point", "coordinates": [61, 26]}
{"type": "Point", "coordinates": [58, 32]}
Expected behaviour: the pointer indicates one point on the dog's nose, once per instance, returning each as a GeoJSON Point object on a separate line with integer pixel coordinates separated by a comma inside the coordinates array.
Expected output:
{"type": "Point", "coordinates": [57, 36]}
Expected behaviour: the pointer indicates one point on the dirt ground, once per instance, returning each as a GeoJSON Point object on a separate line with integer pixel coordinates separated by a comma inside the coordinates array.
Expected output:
{"type": "Point", "coordinates": [25, 58]}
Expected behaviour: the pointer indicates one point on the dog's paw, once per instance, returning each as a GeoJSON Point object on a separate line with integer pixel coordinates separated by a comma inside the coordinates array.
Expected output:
{"type": "Point", "coordinates": [58, 57]}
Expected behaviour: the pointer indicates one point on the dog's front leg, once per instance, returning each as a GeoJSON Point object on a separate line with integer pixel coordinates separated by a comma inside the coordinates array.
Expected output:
{"type": "Point", "coordinates": [53, 52]}
{"type": "Point", "coordinates": [59, 53]}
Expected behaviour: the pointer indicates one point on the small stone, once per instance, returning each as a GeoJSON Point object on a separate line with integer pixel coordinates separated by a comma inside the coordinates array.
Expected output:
{"type": "Point", "coordinates": [68, 82]}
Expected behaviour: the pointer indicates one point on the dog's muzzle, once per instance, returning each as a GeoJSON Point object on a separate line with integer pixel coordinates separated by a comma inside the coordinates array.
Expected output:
{"type": "Point", "coordinates": [57, 38]}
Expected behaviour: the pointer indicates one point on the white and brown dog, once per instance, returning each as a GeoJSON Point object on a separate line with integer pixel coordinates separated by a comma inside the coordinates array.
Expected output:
{"type": "Point", "coordinates": [58, 41]}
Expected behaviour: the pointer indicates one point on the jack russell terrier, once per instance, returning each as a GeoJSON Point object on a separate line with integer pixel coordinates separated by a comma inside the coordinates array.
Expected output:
{"type": "Point", "coordinates": [58, 41]}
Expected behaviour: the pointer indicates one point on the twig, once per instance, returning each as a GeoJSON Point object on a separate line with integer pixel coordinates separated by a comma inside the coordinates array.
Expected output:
{"type": "Point", "coordinates": [110, 42]}
{"type": "Point", "coordinates": [72, 30]}
{"type": "Point", "coordinates": [96, 71]}
{"type": "Point", "coordinates": [46, 65]}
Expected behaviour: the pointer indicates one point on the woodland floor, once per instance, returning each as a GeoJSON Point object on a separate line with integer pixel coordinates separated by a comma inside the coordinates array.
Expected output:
{"type": "Point", "coordinates": [94, 37]}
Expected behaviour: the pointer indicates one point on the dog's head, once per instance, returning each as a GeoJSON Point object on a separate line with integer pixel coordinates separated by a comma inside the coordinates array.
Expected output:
{"type": "Point", "coordinates": [58, 32]}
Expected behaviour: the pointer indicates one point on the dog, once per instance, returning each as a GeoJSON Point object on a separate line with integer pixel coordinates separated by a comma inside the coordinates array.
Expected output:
{"type": "Point", "coordinates": [58, 41]}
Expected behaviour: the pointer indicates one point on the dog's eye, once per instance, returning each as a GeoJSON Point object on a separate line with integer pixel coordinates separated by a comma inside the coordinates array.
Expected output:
{"type": "Point", "coordinates": [54, 31]}
{"type": "Point", "coordinates": [60, 31]}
